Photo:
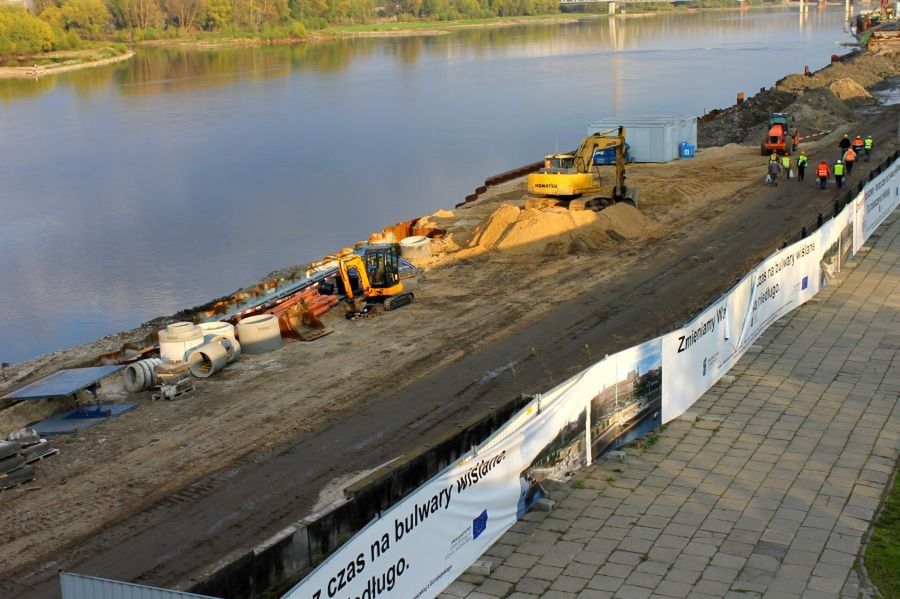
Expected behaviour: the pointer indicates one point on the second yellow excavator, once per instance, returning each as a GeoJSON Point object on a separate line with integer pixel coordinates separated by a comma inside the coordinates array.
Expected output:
{"type": "Point", "coordinates": [567, 178]}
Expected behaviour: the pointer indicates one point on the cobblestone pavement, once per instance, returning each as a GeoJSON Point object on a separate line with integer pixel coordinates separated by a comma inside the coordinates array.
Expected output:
{"type": "Point", "coordinates": [765, 489]}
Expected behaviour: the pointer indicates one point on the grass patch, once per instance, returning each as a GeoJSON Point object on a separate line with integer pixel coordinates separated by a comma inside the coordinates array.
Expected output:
{"type": "Point", "coordinates": [883, 552]}
{"type": "Point", "coordinates": [443, 25]}
{"type": "Point", "coordinates": [578, 484]}
{"type": "Point", "coordinates": [611, 479]}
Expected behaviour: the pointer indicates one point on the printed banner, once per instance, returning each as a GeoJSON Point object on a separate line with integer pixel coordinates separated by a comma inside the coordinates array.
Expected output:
{"type": "Point", "coordinates": [423, 543]}
{"type": "Point", "coordinates": [697, 355]}
{"type": "Point", "coordinates": [784, 281]}
{"type": "Point", "coordinates": [624, 395]}
{"type": "Point", "coordinates": [836, 240]}
{"type": "Point", "coordinates": [878, 199]}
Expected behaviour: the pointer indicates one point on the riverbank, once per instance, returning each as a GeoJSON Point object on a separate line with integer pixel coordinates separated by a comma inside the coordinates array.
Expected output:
{"type": "Point", "coordinates": [63, 61]}
{"type": "Point", "coordinates": [500, 270]}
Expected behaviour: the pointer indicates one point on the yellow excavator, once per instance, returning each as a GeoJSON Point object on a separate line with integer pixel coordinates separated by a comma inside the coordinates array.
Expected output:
{"type": "Point", "coordinates": [373, 276]}
{"type": "Point", "coordinates": [567, 178]}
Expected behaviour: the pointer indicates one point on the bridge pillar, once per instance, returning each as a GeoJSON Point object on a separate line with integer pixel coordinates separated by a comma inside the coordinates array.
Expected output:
{"type": "Point", "coordinates": [612, 7]}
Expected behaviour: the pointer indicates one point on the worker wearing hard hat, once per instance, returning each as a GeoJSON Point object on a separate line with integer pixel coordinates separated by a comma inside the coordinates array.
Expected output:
{"type": "Point", "coordinates": [802, 161]}
{"type": "Point", "coordinates": [867, 147]}
{"type": "Point", "coordinates": [857, 144]}
{"type": "Point", "coordinates": [839, 174]}
{"type": "Point", "coordinates": [845, 144]}
{"type": "Point", "coordinates": [822, 174]}
{"type": "Point", "coordinates": [849, 159]}
{"type": "Point", "coordinates": [786, 165]}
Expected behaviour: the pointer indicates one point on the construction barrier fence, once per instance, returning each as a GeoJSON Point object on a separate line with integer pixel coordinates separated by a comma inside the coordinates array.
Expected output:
{"type": "Point", "coordinates": [419, 546]}
{"type": "Point", "coordinates": [422, 543]}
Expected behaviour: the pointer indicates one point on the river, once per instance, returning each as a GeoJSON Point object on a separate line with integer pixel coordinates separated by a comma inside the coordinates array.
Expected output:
{"type": "Point", "coordinates": [132, 191]}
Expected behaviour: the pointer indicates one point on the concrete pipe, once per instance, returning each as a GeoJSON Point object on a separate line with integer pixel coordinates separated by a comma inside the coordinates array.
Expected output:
{"type": "Point", "coordinates": [259, 334]}
{"type": "Point", "coordinates": [217, 329]}
{"type": "Point", "coordinates": [207, 360]}
{"type": "Point", "coordinates": [177, 339]}
{"type": "Point", "coordinates": [141, 375]}
{"type": "Point", "coordinates": [415, 248]}
{"type": "Point", "coordinates": [231, 347]}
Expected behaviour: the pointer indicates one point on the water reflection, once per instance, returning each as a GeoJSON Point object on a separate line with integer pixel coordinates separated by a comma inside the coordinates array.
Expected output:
{"type": "Point", "coordinates": [140, 188]}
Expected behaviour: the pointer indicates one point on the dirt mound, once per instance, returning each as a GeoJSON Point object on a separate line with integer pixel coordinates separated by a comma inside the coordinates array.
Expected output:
{"type": "Point", "coordinates": [745, 122]}
{"type": "Point", "coordinates": [558, 230]}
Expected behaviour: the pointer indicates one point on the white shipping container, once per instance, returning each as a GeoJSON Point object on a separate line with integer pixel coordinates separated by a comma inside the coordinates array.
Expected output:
{"type": "Point", "coordinates": [652, 138]}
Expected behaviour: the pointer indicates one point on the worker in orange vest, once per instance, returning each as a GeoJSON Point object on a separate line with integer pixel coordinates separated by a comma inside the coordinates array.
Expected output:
{"type": "Point", "coordinates": [822, 173]}
{"type": "Point", "coordinates": [857, 144]}
{"type": "Point", "coordinates": [849, 159]}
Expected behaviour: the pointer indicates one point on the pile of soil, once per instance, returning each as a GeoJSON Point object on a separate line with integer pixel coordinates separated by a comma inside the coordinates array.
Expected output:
{"type": "Point", "coordinates": [559, 230]}
{"type": "Point", "coordinates": [819, 102]}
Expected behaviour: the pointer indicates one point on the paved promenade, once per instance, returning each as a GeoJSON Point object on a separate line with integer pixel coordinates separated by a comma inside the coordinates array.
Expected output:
{"type": "Point", "coordinates": [765, 489]}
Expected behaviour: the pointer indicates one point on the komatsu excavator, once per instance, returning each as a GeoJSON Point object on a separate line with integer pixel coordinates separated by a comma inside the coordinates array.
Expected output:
{"type": "Point", "coordinates": [567, 178]}
{"type": "Point", "coordinates": [374, 276]}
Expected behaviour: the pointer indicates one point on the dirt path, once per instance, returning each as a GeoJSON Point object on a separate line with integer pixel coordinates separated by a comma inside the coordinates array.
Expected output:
{"type": "Point", "coordinates": [161, 492]}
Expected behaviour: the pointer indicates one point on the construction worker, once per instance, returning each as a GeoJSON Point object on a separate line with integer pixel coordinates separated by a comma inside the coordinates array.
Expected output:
{"type": "Point", "coordinates": [849, 159]}
{"type": "Point", "coordinates": [822, 174]}
{"type": "Point", "coordinates": [839, 174]}
{"type": "Point", "coordinates": [786, 165]}
{"type": "Point", "coordinates": [845, 144]}
{"type": "Point", "coordinates": [802, 160]}
{"type": "Point", "coordinates": [867, 147]}
{"type": "Point", "coordinates": [772, 177]}
{"type": "Point", "coordinates": [857, 144]}
{"type": "Point", "coordinates": [773, 157]}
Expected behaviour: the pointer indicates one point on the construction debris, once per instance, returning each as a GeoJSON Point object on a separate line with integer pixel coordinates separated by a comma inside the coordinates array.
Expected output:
{"type": "Point", "coordinates": [18, 453]}
{"type": "Point", "coordinates": [174, 380]}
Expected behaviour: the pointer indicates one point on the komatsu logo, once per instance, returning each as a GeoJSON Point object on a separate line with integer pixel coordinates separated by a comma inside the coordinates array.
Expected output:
{"type": "Point", "coordinates": [545, 185]}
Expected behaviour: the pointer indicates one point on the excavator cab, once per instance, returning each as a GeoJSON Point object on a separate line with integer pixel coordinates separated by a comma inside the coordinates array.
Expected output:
{"type": "Point", "coordinates": [559, 163]}
{"type": "Point", "coordinates": [374, 276]}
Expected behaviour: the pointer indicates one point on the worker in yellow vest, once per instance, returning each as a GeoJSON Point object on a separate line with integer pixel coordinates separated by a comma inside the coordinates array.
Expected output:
{"type": "Point", "coordinates": [802, 161]}
{"type": "Point", "coordinates": [867, 147]}
{"type": "Point", "coordinates": [786, 166]}
{"type": "Point", "coordinates": [839, 174]}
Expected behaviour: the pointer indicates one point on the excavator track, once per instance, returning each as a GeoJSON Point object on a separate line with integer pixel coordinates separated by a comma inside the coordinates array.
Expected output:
{"type": "Point", "coordinates": [399, 300]}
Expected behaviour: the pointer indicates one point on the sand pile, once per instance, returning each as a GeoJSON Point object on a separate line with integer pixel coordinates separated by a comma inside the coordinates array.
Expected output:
{"type": "Point", "coordinates": [848, 89]}
{"type": "Point", "coordinates": [558, 230]}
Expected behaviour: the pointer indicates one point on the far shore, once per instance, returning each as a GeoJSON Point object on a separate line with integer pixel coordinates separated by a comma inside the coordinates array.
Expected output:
{"type": "Point", "coordinates": [37, 71]}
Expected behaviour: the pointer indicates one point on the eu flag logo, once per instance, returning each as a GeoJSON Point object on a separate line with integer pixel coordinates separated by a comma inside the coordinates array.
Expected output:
{"type": "Point", "coordinates": [805, 283]}
{"type": "Point", "coordinates": [479, 524]}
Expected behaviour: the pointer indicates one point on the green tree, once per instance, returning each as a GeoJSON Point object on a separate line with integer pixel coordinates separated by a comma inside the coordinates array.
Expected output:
{"type": "Point", "coordinates": [23, 33]}
{"type": "Point", "coordinates": [90, 18]}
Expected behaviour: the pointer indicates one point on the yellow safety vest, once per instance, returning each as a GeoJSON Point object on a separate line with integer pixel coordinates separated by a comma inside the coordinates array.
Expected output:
{"type": "Point", "coordinates": [838, 169]}
{"type": "Point", "coordinates": [786, 161]}
{"type": "Point", "coordinates": [869, 143]}
{"type": "Point", "coordinates": [801, 161]}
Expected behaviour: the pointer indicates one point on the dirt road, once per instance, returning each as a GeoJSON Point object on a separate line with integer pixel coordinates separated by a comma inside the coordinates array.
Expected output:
{"type": "Point", "coordinates": [263, 439]}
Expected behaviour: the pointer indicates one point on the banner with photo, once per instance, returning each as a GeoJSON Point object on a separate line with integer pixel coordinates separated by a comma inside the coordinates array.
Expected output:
{"type": "Point", "coordinates": [624, 397]}
{"type": "Point", "coordinates": [836, 240]}
{"type": "Point", "coordinates": [698, 354]}
{"type": "Point", "coordinates": [878, 199]}
{"type": "Point", "coordinates": [423, 543]}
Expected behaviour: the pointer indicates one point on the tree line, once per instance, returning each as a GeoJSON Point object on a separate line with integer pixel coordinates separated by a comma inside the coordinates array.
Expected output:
{"type": "Point", "coordinates": [64, 24]}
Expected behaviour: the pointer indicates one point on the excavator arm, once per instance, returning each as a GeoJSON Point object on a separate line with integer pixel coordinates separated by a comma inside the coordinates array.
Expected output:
{"type": "Point", "coordinates": [597, 142]}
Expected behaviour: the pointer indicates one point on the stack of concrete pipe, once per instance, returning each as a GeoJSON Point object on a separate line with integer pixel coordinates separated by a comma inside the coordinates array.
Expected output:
{"type": "Point", "coordinates": [141, 375]}
{"type": "Point", "coordinates": [217, 329]}
{"type": "Point", "coordinates": [259, 334]}
{"type": "Point", "coordinates": [211, 357]}
{"type": "Point", "coordinates": [179, 338]}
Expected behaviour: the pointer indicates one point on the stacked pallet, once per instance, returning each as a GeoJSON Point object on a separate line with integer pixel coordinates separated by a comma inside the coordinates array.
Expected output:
{"type": "Point", "coordinates": [18, 453]}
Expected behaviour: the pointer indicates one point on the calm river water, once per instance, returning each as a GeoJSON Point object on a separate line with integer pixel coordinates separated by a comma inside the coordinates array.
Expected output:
{"type": "Point", "coordinates": [132, 191]}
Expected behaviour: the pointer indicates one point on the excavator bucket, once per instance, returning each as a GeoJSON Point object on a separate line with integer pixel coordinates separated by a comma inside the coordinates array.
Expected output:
{"type": "Point", "coordinates": [301, 322]}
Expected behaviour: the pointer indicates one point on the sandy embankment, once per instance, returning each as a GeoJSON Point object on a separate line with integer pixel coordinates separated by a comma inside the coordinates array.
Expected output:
{"type": "Point", "coordinates": [499, 267]}
{"type": "Point", "coordinates": [37, 71]}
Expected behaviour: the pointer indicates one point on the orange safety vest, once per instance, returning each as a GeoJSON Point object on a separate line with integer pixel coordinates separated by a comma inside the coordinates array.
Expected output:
{"type": "Point", "coordinates": [858, 141]}
{"type": "Point", "coordinates": [822, 171]}
{"type": "Point", "coordinates": [850, 156]}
